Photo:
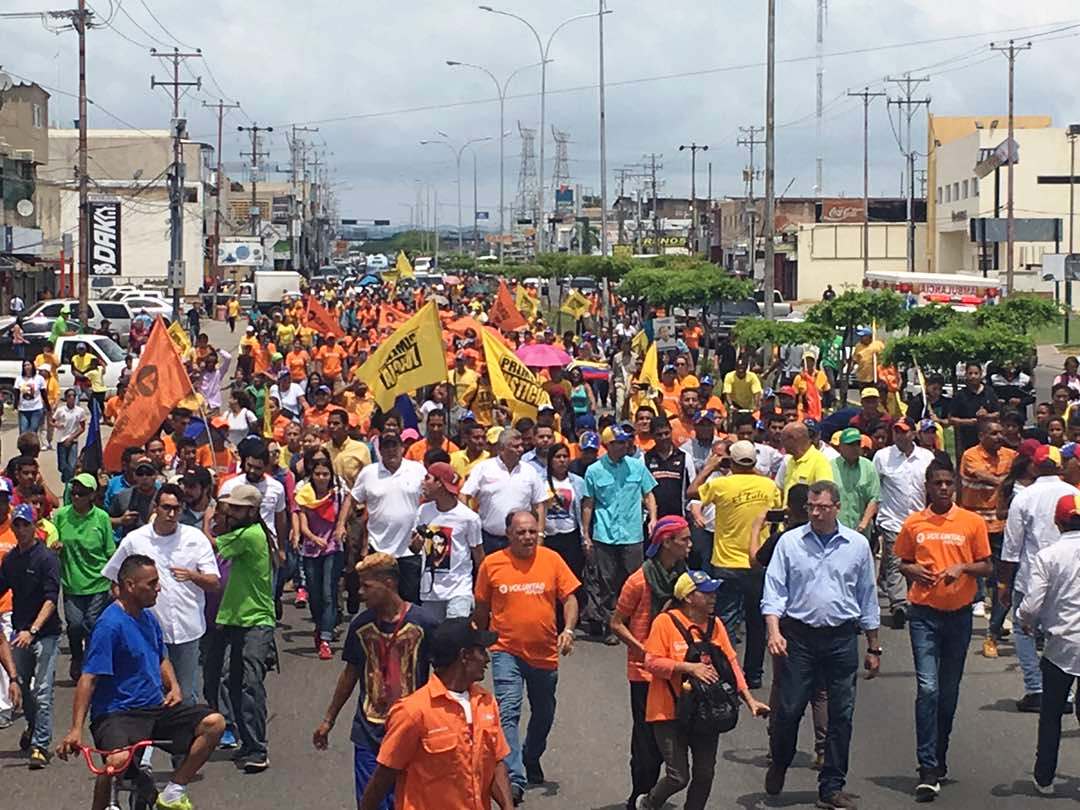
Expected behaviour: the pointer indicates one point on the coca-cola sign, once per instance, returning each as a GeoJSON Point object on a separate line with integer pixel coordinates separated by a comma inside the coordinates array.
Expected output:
{"type": "Point", "coordinates": [842, 210]}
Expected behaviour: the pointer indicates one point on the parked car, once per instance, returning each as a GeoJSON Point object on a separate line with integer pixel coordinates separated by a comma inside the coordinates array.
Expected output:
{"type": "Point", "coordinates": [117, 313]}
{"type": "Point", "coordinates": [153, 306]}
{"type": "Point", "coordinates": [106, 349]}
{"type": "Point", "coordinates": [725, 314]}
{"type": "Point", "coordinates": [378, 262]}
{"type": "Point", "coordinates": [781, 308]}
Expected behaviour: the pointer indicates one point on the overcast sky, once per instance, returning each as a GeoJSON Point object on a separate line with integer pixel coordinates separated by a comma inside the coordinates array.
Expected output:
{"type": "Point", "coordinates": [372, 76]}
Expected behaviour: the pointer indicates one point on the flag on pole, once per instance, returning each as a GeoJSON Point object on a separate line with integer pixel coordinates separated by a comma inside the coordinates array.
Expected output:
{"type": "Point", "coordinates": [391, 317]}
{"type": "Point", "coordinates": [180, 340]}
{"type": "Point", "coordinates": [91, 452]}
{"type": "Point", "coordinates": [576, 305]}
{"type": "Point", "coordinates": [403, 267]}
{"type": "Point", "coordinates": [158, 384]}
{"type": "Point", "coordinates": [512, 380]}
{"type": "Point", "coordinates": [503, 313]}
{"type": "Point", "coordinates": [410, 358]}
{"type": "Point", "coordinates": [649, 372]}
{"type": "Point", "coordinates": [639, 344]}
{"type": "Point", "coordinates": [319, 317]}
{"type": "Point", "coordinates": [526, 304]}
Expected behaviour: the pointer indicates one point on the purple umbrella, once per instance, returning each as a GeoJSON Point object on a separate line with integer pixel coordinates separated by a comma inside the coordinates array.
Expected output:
{"type": "Point", "coordinates": [542, 355]}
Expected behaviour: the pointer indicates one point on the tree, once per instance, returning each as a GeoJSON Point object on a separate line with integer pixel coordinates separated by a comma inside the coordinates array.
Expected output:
{"type": "Point", "coordinates": [942, 349]}
{"type": "Point", "coordinates": [858, 308]}
{"type": "Point", "coordinates": [1019, 313]}
{"type": "Point", "coordinates": [931, 318]}
{"type": "Point", "coordinates": [754, 333]}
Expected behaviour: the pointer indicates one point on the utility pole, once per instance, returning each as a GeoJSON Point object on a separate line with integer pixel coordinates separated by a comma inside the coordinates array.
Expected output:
{"type": "Point", "coordinates": [694, 236]}
{"type": "Point", "coordinates": [750, 139]}
{"type": "Point", "coordinates": [1072, 133]}
{"type": "Point", "coordinates": [221, 106]}
{"type": "Point", "coordinates": [769, 281]}
{"type": "Point", "coordinates": [907, 86]}
{"type": "Point", "coordinates": [1010, 52]}
{"type": "Point", "coordinates": [297, 146]}
{"type": "Point", "coordinates": [177, 272]}
{"type": "Point", "coordinates": [652, 165]}
{"type": "Point", "coordinates": [254, 154]}
{"type": "Point", "coordinates": [866, 96]}
{"type": "Point", "coordinates": [603, 153]}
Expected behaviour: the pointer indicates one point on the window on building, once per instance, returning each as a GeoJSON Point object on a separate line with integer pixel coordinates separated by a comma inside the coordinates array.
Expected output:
{"type": "Point", "coordinates": [38, 116]}
{"type": "Point", "coordinates": [937, 197]}
{"type": "Point", "coordinates": [956, 191]}
{"type": "Point", "coordinates": [964, 190]}
{"type": "Point", "coordinates": [948, 193]}
{"type": "Point", "coordinates": [974, 186]}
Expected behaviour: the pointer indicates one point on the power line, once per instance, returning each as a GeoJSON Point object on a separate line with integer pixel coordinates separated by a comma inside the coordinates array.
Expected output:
{"type": "Point", "coordinates": [168, 33]}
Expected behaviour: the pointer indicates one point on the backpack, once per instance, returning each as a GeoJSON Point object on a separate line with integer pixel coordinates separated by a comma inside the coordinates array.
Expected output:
{"type": "Point", "coordinates": [703, 709]}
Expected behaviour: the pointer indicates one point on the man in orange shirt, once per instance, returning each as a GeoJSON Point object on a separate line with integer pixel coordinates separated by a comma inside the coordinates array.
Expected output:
{"type": "Point", "coordinates": [319, 413]}
{"type": "Point", "coordinates": [942, 549]}
{"type": "Point", "coordinates": [682, 429]}
{"type": "Point", "coordinates": [669, 389]}
{"type": "Point", "coordinates": [331, 358]}
{"type": "Point", "coordinates": [436, 438]}
{"type": "Point", "coordinates": [297, 362]}
{"type": "Point", "coordinates": [517, 590]}
{"type": "Point", "coordinates": [983, 469]}
{"type": "Point", "coordinates": [692, 337]}
{"type": "Point", "coordinates": [643, 439]}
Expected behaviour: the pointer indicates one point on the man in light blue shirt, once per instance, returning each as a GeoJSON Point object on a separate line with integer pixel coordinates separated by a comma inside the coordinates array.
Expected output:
{"type": "Point", "coordinates": [616, 487]}
{"type": "Point", "coordinates": [820, 592]}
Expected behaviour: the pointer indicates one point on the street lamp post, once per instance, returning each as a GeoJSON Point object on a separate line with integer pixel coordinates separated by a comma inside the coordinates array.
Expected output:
{"type": "Point", "coordinates": [501, 89]}
{"type": "Point", "coordinates": [1073, 133]}
{"type": "Point", "coordinates": [457, 162]}
{"type": "Point", "coordinates": [693, 147]}
{"type": "Point", "coordinates": [542, 231]}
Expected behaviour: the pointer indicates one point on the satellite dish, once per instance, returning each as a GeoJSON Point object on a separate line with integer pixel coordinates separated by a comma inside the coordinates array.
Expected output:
{"type": "Point", "coordinates": [25, 208]}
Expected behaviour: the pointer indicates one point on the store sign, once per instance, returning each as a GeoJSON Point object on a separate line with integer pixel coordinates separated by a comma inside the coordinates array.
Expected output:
{"type": "Point", "coordinates": [842, 210]}
{"type": "Point", "coordinates": [104, 237]}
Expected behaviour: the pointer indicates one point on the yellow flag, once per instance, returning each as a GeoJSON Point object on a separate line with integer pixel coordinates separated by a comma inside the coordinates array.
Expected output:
{"type": "Point", "coordinates": [410, 358]}
{"type": "Point", "coordinates": [268, 422]}
{"type": "Point", "coordinates": [649, 371]}
{"type": "Point", "coordinates": [180, 340]}
{"type": "Point", "coordinates": [511, 379]}
{"type": "Point", "coordinates": [403, 266]}
{"type": "Point", "coordinates": [639, 344]}
{"type": "Point", "coordinates": [525, 303]}
{"type": "Point", "coordinates": [576, 305]}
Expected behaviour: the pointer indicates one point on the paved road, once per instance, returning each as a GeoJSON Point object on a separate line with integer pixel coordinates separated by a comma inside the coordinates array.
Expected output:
{"type": "Point", "coordinates": [990, 760]}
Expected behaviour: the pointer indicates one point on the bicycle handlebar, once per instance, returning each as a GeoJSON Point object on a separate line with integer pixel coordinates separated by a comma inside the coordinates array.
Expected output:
{"type": "Point", "coordinates": [88, 753]}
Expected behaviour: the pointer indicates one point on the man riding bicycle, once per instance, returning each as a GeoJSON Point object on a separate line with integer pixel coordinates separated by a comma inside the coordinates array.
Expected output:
{"type": "Point", "coordinates": [131, 692]}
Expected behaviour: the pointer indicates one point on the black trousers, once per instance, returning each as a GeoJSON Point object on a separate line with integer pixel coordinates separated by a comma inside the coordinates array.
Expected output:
{"type": "Point", "coordinates": [1056, 686]}
{"type": "Point", "coordinates": [409, 578]}
{"type": "Point", "coordinates": [645, 757]}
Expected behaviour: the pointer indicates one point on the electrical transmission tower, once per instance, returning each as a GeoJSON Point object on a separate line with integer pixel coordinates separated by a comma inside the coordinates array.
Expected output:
{"type": "Point", "coordinates": [822, 21]}
{"type": "Point", "coordinates": [560, 177]}
{"type": "Point", "coordinates": [528, 198]}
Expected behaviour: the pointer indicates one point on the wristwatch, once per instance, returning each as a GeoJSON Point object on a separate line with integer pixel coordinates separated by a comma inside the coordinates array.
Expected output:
{"type": "Point", "coordinates": [33, 631]}
{"type": "Point", "coordinates": [877, 652]}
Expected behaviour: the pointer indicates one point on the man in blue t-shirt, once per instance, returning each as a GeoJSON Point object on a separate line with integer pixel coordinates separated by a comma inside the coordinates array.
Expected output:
{"type": "Point", "coordinates": [386, 654]}
{"type": "Point", "coordinates": [131, 692]}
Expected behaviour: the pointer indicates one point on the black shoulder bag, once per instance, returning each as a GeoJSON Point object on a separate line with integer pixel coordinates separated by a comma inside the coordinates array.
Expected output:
{"type": "Point", "coordinates": [705, 709]}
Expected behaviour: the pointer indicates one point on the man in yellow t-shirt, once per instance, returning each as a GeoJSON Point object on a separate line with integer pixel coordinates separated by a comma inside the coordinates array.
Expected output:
{"type": "Point", "coordinates": [864, 355]}
{"type": "Point", "coordinates": [740, 499]}
{"type": "Point", "coordinates": [804, 463]}
{"type": "Point", "coordinates": [464, 380]}
{"type": "Point", "coordinates": [742, 387]}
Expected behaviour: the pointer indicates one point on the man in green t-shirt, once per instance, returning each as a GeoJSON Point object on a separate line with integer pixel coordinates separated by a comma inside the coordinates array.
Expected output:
{"type": "Point", "coordinates": [244, 622]}
{"type": "Point", "coordinates": [858, 481]}
{"type": "Point", "coordinates": [85, 543]}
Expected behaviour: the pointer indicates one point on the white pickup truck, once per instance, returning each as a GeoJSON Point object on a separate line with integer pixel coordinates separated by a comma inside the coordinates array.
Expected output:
{"type": "Point", "coordinates": [110, 354]}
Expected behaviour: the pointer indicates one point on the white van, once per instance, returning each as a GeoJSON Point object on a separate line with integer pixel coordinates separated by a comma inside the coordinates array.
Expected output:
{"type": "Point", "coordinates": [111, 356]}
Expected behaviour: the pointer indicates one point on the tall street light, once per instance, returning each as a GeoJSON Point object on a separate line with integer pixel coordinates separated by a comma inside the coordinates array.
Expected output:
{"type": "Point", "coordinates": [544, 50]}
{"type": "Point", "coordinates": [501, 90]}
{"type": "Point", "coordinates": [445, 141]}
{"type": "Point", "coordinates": [1072, 133]}
{"type": "Point", "coordinates": [693, 147]}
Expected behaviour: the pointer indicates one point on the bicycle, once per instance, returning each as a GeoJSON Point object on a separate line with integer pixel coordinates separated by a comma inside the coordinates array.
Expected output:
{"type": "Point", "coordinates": [128, 776]}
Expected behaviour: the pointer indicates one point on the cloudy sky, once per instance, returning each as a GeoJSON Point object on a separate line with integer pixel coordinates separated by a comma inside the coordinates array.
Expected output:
{"type": "Point", "coordinates": [372, 77]}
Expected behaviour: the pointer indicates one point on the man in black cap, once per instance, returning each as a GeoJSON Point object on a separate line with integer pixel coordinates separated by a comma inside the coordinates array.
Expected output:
{"type": "Point", "coordinates": [444, 746]}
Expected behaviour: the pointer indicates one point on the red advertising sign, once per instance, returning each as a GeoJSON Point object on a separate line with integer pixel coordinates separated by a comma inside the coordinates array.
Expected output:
{"type": "Point", "coordinates": [843, 209]}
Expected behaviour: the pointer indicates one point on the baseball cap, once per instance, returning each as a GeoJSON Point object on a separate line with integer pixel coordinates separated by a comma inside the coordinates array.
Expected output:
{"type": "Point", "coordinates": [5, 486]}
{"type": "Point", "coordinates": [743, 453]}
{"type": "Point", "coordinates": [455, 635]}
{"type": "Point", "coordinates": [546, 407]}
{"type": "Point", "coordinates": [1029, 446]}
{"type": "Point", "coordinates": [708, 415]}
{"type": "Point", "coordinates": [242, 495]}
{"type": "Point", "coordinates": [23, 511]}
{"type": "Point", "coordinates": [617, 433]}
{"type": "Point", "coordinates": [219, 422]}
{"type": "Point", "coordinates": [276, 356]}
{"type": "Point", "coordinates": [86, 480]}
{"type": "Point", "coordinates": [812, 425]}
{"type": "Point", "coordinates": [323, 389]}
{"type": "Point", "coordinates": [850, 435]}
{"type": "Point", "coordinates": [706, 380]}
{"type": "Point", "coordinates": [668, 368]}
{"type": "Point", "coordinates": [410, 433]}
{"type": "Point", "coordinates": [665, 527]}
{"type": "Point", "coordinates": [589, 440]}
{"type": "Point", "coordinates": [1069, 450]}
{"type": "Point", "coordinates": [199, 476]}
{"type": "Point", "coordinates": [864, 331]}
{"type": "Point", "coordinates": [1068, 507]}
{"type": "Point", "coordinates": [467, 416]}
{"type": "Point", "coordinates": [445, 475]}
{"type": "Point", "coordinates": [1047, 455]}
{"type": "Point", "coordinates": [692, 581]}
{"type": "Point", "coordinates": [868, 392]}
{"type": "Point", "coordinates": [905, 424]}
{"type": "Point", "coordinates": [927, 424]}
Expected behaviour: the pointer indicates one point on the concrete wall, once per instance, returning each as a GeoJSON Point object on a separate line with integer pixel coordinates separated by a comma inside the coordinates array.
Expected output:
{"type": "Point", "coordinates": [17, 120]}
{"type": "Point", "coordinates": [832, 254]}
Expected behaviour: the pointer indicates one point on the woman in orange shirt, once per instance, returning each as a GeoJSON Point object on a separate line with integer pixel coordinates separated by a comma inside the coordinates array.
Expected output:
{"type": "Point", "coordinates": [665, 659]}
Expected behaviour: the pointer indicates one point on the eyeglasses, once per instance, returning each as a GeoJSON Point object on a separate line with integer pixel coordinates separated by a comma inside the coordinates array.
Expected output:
{"type": "Point", "coordinates": [821, 507]}
{"type": "Point", "coordinates": [169, 507]}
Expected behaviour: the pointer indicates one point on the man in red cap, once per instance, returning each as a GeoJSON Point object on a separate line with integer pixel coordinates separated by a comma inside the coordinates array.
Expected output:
{"type": "Point", "coordinates": [448, 535]}
{"type": "Point", "coordinates": [1029, 529]}
{"type": "Point", "coordinates": [1052, 603]}
{"type": "Point", "coordinates": [643, 596]}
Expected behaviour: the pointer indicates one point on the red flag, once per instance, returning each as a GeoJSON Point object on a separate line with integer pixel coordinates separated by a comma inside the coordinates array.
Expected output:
{"type": "Point", "coordinates": [504, 313]}
{"type": "Point", "coordinates": [391, 317]}
{"type": "Point", "coordinates": [158, 384]}
{"type": "Point", "coordinates": [317, 316]}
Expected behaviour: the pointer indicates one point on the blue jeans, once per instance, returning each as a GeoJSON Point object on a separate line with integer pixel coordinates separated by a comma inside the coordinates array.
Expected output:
{"type": "Point", "coordinates": [66, 455]}
{"type": "Point", "coordinates": [251, 651]}
{"type": "Point", "coordinates": [828, 656]}
{"type": "Point", "coordinates": [364, 764]}
{"type": "Point", "coordinates": [185, 663]}
{"type": "Point", "coordinates": [512, 676]}
{"type": "Point", "coordinates": [739, 601]}
{"type": "Point", "coordinates": [81, 613]}
{"type": "Point", "coordinates": [30, 421]}
{"type": "Point", "coordinates": [321, 575]}
{"type": "Point", "coordinates": [1026, 652]}
{"type": "Point", "coordinates": [36, 668]}
{"type": "Point", "coordinates": [939, 645]}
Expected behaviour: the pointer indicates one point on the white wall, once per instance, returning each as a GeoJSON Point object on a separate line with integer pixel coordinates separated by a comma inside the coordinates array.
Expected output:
{"type": "Point", "coordinates": [833, 254]}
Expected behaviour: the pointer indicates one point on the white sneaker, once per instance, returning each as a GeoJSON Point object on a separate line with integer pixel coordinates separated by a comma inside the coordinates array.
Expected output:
{"type": "Point", "coordinates": [1043, 790]}
{"type": "Point", "coordinates": [979, 610]}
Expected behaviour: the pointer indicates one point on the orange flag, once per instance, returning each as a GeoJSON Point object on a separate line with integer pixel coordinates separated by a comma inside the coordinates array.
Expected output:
{"type": "Point", "coordinates": [158, 384]}
{"type": "Point", "coordinates": [317, 316]}
{"type": "Point", "coordinates": [504, 313]}
{"type": "Point", "coordinates": [391, 317]}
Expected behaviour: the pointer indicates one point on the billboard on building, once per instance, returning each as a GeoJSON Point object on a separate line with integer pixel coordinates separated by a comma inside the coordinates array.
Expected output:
{"type": "Point", "coordinates": [281, 210]}
{"type": "Point", "coordinates": [103, 215]}
{"type": "Point", "coordinates": [843, 209]}
{"type": "Point", "coordinates": [241, 252]}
